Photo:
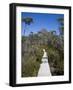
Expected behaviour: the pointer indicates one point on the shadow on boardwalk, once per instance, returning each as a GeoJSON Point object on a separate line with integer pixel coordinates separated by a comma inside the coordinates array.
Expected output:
{"type": "Point", "coordinates": [44, 69]}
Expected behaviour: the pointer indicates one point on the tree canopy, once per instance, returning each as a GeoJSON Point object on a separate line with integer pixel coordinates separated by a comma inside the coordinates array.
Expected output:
{"type": "Point", "coordinates": [27, 20]}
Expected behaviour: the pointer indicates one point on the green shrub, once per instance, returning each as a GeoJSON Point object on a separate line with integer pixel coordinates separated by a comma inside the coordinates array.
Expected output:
{"type": "Point", "coordinates": [30, 67]}
{"type": "Point", "coordinates": [56, 60]}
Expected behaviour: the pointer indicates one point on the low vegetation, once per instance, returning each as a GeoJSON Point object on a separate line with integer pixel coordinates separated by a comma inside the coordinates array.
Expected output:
{"type": "Point", "coordinates": [32, 52]}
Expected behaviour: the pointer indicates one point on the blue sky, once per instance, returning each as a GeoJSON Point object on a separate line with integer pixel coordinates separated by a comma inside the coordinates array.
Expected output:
{"type": "Point", "coordinates": [40, 21]}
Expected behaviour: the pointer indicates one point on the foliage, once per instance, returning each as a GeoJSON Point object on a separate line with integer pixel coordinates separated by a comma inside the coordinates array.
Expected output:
{"type": "Point", "coordinates": [27, 20]}
{"type": "Point", "coordinates": [31, 62]}
{"type": "Point", "coordinates": [30, 67]}
{"type": "Point", "coordinates": [32, 52]}
{"type": "Point", "coordinates": [61, 28]}
{"type": "Point", "coordinates": [56, 60]}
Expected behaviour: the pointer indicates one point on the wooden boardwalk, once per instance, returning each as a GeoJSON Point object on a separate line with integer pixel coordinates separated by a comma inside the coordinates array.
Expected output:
{"type": "Point", "coordinates": [44, 67]}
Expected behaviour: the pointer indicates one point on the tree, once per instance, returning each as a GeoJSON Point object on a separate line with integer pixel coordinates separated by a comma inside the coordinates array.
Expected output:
{"type": "Point", "coordinates": [53, 32]}
{"type": "Point", "coordinates": [31, 37]}
{"type": "Point", "coordinates": [27, 21]}
{"type": "Point", "coordinates": [61, 27]}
